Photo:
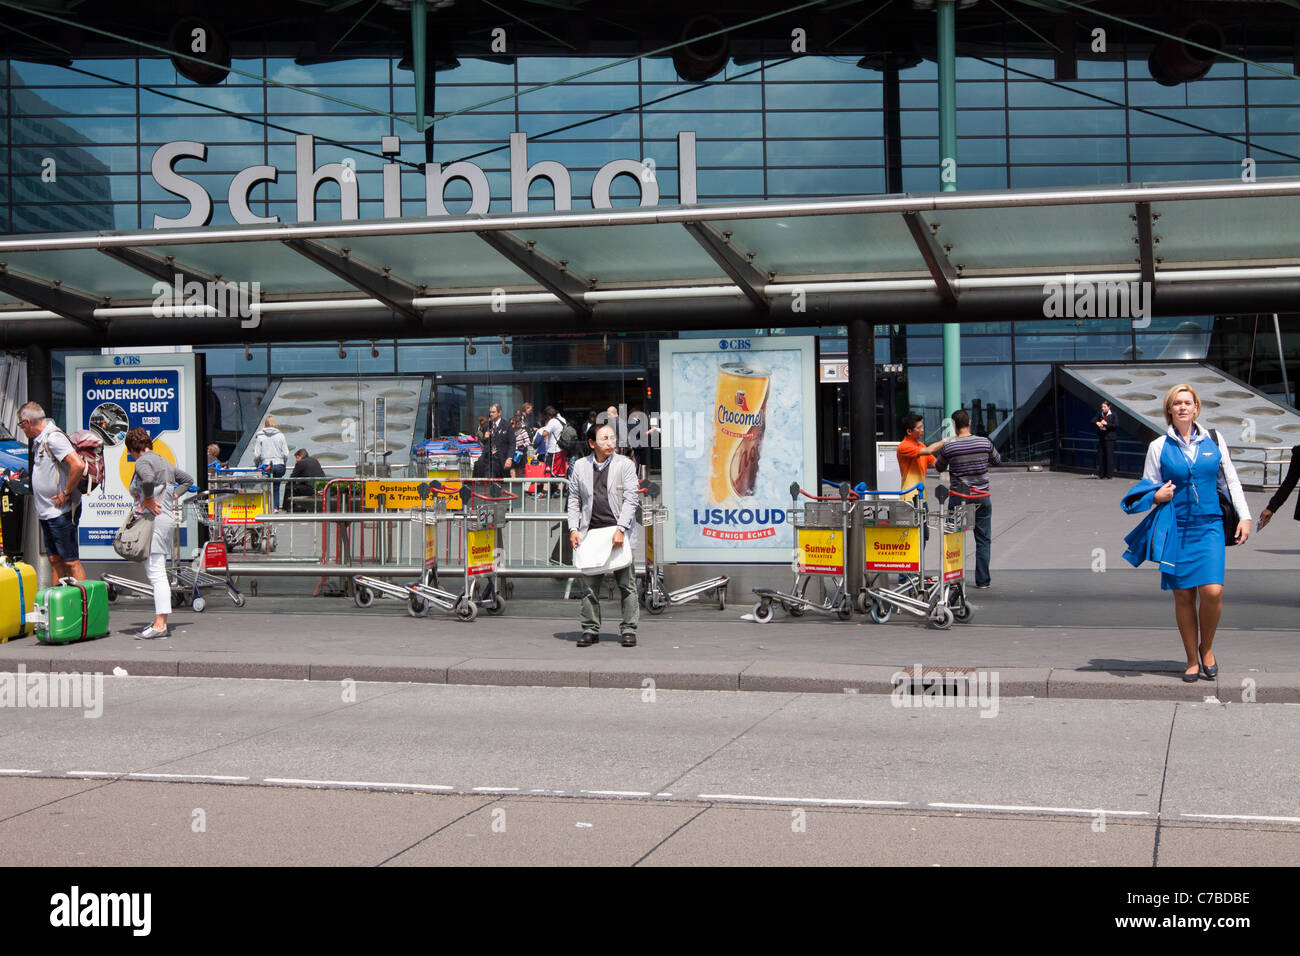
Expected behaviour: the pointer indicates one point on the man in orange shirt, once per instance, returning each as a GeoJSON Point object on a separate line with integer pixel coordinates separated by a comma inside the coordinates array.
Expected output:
{"type": "Point", "coordinates": [914, 456]}
{"type": "Point", "coordinates": [914, 459]}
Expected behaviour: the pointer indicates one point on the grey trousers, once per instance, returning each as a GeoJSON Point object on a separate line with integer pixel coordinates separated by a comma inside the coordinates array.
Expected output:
{"type": "Point", "coordinates": [625, 579]}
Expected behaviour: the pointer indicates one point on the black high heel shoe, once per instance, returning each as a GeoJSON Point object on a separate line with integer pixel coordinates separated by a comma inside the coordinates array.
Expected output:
{"type": "Point", "coordinates": [1208, 673]}
{"type": "Point", "coordinates": [1192, 677]}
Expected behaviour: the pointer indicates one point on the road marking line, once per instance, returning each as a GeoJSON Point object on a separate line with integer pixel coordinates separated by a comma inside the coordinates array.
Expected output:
{"type": "Point", "coordinates": [619, 793]}
{"type": "Point", "coordinates": [826, 801]}
{"type": "Point", "coordinates": [357, 783]}
{"type": "Point", "coordinates": [496, 789]}
{"type": "Point", "coordinates": [94, 773]}
{"type": "Point", "coordinates": [1240, 816]}
{"type": "Point", "coordinates": [182, 776]}
{"type": "Point", "coordinates": [1083, 811]}
{"type": "Point", "coordinates": [7, 771]}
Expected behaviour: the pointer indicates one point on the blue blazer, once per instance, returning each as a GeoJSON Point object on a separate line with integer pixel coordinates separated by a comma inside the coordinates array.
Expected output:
{"type": "Point", "coordinates": [1156, 537]}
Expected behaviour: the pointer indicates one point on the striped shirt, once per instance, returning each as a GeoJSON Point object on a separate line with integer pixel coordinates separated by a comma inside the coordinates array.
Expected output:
{"type": "Point", "coordinates": [968, 459]}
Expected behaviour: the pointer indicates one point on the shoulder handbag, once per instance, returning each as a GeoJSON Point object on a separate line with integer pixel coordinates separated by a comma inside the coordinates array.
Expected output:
{"type": "Point", "coordinates": [135, 537]}
{"type": "Point", "coordinates": [1230, 518]}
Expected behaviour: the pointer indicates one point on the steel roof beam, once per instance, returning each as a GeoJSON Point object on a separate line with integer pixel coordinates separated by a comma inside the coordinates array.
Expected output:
{"type": "Point", "coordinates": [739, 267]}
{"type": "Point", "coordinates": [554, 275]}
{"type": "Point", "coordinates": [935, 256]}
{"type": "Point", "coordinates": [162, 268]}
{"type": "Point", "coordinates": [379, 283]}
{"type": "Point", "coordinates": [1146, 244]}
{"type": "Point", "coordinates": [733, 312]}
{"type": "Point", "coordinates": [54, 296]}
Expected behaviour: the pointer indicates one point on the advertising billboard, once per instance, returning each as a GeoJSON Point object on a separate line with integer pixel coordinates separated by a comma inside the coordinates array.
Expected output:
{"type": "Point", "coordinates": [109, 394]}
{"type": "Point", "coordinates": [739, 425]}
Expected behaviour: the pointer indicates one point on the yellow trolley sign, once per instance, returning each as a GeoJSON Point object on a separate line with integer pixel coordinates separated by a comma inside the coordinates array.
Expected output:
{"type": "Point", "coordinates": [241, 509]}
{"type": "Point", "coordinates": [953, 544]}
{"type": "Point", "coordinates": [481, 558]}
{"type": "Point", "coordinates": [819, 551]}
{"type": "Point", "coordinates": [893, 549]}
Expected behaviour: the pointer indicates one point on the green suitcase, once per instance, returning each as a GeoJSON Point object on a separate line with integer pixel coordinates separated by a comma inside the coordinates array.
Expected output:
{"type": "Point", "coordinates": [61, 608]}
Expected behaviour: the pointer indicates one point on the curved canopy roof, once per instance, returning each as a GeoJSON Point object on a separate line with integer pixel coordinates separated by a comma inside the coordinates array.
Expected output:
{"type": "Point", "coordinates": [961, 256]}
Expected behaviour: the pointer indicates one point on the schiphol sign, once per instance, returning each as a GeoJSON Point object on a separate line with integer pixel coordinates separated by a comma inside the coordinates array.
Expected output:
{"type": "Point", "coordinates": [309, 177]}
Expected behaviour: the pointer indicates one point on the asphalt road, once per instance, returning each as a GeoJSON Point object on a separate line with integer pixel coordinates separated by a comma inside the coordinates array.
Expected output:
{"type": "Point", "coordinates": [369, 774]}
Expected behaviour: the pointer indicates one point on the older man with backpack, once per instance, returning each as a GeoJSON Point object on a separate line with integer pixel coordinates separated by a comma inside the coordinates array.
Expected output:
{"type": "Point", "coordinates": [57, 471]}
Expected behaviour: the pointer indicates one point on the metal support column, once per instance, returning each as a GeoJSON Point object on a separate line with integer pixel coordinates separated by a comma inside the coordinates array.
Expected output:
{"type": "Point", "coordinates": [862, 432]}
{"type": "Point", "coordinates": [40, 384]}
{"type": "Point", "coordinates": [40, 389]}
{"type": "Point", "coordinates": [947, 46]}
{"type": "Point", "coordinates": [419, 20]}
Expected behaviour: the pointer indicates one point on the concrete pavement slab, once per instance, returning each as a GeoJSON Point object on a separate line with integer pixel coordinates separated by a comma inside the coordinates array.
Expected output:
{"type": "Point", "coordinates": [1211, 745]}
{"type": "Point", "coordinates": [805, 676]}
{"type": "Point", "coordinates": [429, 670]}
{"type": "Point", "coordinates": [1266, 687]}
{"type": "Point", "coordinates": [22, 794]}
{"type": "Point", "coordinates": [539, 832]}
{"type": "Point", "coordinates": [516, 673]}
{"type": "Point", "coordinates": [255, 665]}
{"type": "Point", "coordinates": [148, 723]}
{"type": "Point", "coordinates": [1125, 685]}
{"type": "Point", "coordinates": [1229, 846]}
{"type": "Point", "coordinates": [467, 737]}
{"type": "Point", "coordinates": [1034, 753]}
{"type": "Point", "coordinates": [756, 836]}
{"type": "Point", "coordinates": [154, 824]}
{"type": "Point", "coordinates": [666, 675]}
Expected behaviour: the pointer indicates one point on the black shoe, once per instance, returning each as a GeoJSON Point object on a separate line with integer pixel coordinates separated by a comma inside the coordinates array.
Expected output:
{"type": "Point", "coordinates": [629, 640]}
{"type": "Point", "coordinates": [1209, 673]}
{"type": "Point", "coordinates": [1191, 678]}
{"type": "Point", "coordinates": [983, 587]}
{"type": "Point", "coordinates": [1096, 476]}
{"type": "Point", "coordinates": [588, 639]}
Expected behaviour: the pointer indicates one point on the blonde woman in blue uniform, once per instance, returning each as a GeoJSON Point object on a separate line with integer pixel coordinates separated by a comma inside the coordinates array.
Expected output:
{"type": "Point", "coordinates": [1190, 468]}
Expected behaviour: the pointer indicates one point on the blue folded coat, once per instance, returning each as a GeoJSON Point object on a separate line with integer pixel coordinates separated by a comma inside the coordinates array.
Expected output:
{"type": "Point", "coordinates": [1156, 536]}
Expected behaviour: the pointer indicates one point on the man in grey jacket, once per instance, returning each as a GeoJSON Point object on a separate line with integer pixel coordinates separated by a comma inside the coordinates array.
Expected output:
{"type": "Point", "coordinates": [603, 494]}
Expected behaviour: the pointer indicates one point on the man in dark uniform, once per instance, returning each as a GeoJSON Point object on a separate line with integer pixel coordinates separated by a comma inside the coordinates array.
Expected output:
{"type": "Point", "coordinates": [500, 443]}
{"type": "Point", "coordinates": [1107, 426]}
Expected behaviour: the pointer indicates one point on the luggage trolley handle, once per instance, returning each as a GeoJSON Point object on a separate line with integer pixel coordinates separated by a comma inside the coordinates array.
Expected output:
{"type": "Point", "coordinates": [863, 491]}
{"type": "Point", "coordinates": [846, 493]}
{"type": "Point", "coordinates": [969, 497]}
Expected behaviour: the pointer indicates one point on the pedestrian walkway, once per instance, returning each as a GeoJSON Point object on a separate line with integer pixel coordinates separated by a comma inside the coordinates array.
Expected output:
{"type": "Point", "coordinates": [1066, 617]}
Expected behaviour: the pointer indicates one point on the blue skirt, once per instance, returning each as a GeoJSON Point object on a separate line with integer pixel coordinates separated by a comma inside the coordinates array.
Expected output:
{"type": "Point", "coordinates": [1200, 553]}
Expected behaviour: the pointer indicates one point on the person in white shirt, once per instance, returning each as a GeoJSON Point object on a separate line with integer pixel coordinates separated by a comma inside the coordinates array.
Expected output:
{"type": "Point", "coordinates": [56, 471]}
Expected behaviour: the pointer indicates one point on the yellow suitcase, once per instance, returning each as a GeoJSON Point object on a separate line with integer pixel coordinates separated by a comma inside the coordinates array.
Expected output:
{"type": "Point", "coordinates": [17, 599]}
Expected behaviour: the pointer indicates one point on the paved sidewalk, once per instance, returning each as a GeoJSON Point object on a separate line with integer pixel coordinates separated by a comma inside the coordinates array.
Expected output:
{"type": "Point", "coordinates": [1053, 625]}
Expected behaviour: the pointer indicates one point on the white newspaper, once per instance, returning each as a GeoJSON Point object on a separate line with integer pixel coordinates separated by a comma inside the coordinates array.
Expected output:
{"type": "Point", "coordinates": [596, 553]}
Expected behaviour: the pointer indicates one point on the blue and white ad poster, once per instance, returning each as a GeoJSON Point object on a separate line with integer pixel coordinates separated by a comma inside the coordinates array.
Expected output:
{"type": "Point", "coordinates": [110, 394]}
{"type": "Point", "coordinates": [739, 425]}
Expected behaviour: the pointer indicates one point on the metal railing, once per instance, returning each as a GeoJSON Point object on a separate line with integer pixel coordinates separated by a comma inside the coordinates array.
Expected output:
{"type": "Point", "coordinates": [345, 534]}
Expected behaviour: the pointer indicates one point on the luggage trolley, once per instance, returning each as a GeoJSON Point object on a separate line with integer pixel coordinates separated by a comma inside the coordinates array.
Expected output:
{"type": "Point", "coordinates": [365, 587]}
{"type": "Point", "coordinates": [654, 595]}
{"type": "Point", "coordinates": [895, 543]}
{"type": "Point", "coordinates": [821, 539]}
{"type": "Point", "coordinates": [479, 524]}
{"type": "Point", "coordinates": [187, 578]}
{"type": "Point", "coordinates": [237, 517]}
{"type": "Point", "coordinates": [954, 522]}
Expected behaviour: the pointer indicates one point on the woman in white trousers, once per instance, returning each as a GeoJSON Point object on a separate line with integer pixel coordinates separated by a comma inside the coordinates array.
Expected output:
{"type": "Point", "coordinates": [155, 486]}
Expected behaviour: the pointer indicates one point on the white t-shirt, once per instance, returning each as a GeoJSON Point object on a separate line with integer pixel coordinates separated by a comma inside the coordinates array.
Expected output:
{"type": "Point", "coordinates": [48, 479]}
{"type": "Point", "coordinates": [553, 428]}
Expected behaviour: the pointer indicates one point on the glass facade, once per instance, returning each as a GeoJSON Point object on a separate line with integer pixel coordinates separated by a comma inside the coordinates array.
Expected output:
{"type": "Point", "coordinates": [80, 139]}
